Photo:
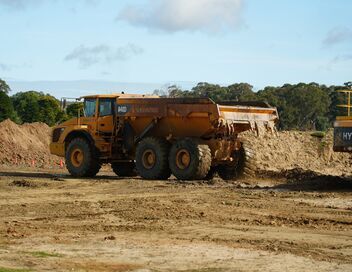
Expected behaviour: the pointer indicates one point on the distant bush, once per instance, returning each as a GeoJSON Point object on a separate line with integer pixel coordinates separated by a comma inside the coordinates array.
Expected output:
{"type": "Point", "coordinates": [318, 134]}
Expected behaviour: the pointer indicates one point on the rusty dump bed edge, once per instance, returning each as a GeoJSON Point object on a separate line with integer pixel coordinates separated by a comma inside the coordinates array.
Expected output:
{"type": "Point", "coordinates": [185, 106]}
{"type": "Point", "coordinates": [163, 101]}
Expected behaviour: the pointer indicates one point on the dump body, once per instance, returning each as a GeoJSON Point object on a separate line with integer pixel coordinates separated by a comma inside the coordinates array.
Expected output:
{"type": "Point", "coordinates": [116, 125]}
{"type": "Point", "coordinates": [193, 117]}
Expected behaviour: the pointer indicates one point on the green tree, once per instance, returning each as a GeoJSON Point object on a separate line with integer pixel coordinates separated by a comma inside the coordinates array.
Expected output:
{"type": "Point", "coordinates": [348, 85]}
{"type": "Point", "coordinates": [241, 92]}
{"type": "Point", "coordinates": [4, 87]}
{"type": "Point", "coordinates": [26, 105]}
{"type": "Point", "coordinates": [212, 91]}
{"type": "Point", "coordinates": [234, 92]}
{"type": "Point", "coordinates": [175, 91]}
{"type": "Point", "coordinates": [6, 108]}
{"type": "Point", "coordinates": [35, 106]}
{"type": "Point", "coordinates": [300, 106]}
{"type": "Point", "coordinates": [336, 98]}
{"type": "Point", "coordinates": [73, 109]}
{"type": "Point", "coordinates": [170, 91]}
{"type": "Point", "coordinates": [49, 109]}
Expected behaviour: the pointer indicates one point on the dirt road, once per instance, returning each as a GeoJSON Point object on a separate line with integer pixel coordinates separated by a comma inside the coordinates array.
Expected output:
{"type": "Point", "coordinates": [54, 222]}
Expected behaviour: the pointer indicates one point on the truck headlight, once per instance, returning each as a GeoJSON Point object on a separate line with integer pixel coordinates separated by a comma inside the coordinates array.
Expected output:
{"type": "Point", "coordinates": [56, 134]}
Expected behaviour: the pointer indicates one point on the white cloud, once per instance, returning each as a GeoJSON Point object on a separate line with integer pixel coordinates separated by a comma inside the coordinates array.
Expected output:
{"type": "Point", "coordinates": [338, 35]}
{"type": "Point", "coordinates": [341, 58]}
{"type": "Point", "coordinates": [185, 15]}
{"type": "Point", "coordinates": [5, 67]}
{"type": "Point", "coordinates": [88, 56]}
{"type": "Point", "coordinates": [16, 4]}
{"type": "Point", "coordinates": [24, 4]}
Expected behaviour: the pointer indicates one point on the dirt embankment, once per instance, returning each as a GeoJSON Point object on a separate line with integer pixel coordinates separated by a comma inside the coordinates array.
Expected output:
{"type": "Point", "coordinates": [26, 145]}
{"type": "Point", "coordinates": [297, 150]}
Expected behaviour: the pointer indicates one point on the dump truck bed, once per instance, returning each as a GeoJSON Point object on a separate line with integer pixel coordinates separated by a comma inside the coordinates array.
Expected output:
{"type": "Point", "coordinates": [194, 117]}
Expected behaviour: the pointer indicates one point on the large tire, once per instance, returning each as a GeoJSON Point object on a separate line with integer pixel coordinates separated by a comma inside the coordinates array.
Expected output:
{"type": "Point", "coordinates": [124, 169]}
{"type": "Point", "coordinates": [152, 158]}
{"type": "Point", "coordinates": [189, 160]}
{"type": "Point", "coordinates": [81, 158]}
{"type": "Point", "coordinates": [243, 167]}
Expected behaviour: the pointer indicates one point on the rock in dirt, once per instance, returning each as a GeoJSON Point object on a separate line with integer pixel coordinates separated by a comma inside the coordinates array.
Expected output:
{"type": "Point", "coordinates": [23, 183]}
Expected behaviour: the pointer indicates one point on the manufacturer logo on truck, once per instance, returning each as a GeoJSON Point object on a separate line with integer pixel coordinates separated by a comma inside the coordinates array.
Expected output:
{"type": "Point", "coordinates": [342, 137]}
{"type": "Point", "coordinates": [347, 136]}
{"type": "Point", "coordinates": [122, 109]}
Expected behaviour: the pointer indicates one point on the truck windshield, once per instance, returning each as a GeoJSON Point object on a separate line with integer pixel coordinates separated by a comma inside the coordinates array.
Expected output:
{"type": "Point", "coordinates": [89, 107]}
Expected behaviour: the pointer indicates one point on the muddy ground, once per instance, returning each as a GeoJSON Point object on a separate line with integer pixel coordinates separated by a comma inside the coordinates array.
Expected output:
{"type": "Point", "coordinates": [290, 222]}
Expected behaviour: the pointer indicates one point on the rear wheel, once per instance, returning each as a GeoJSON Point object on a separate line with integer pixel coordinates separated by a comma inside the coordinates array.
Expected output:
{"type": "Point", "coordinates": [152, 158]}
{"type": "Point", "coordinates": [81, 159]}
{"type": "Point", "coordinates": [211, 174]}
{"type": "Point", "coordinates": [243, 167]}
{"type": "Point", "coordinates": [189, 160]}
{"type": "Point", "coordinates": [124, 169]}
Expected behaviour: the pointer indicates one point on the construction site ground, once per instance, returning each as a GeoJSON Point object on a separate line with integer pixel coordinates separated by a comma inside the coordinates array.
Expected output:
{"type": "Point", "coordinates": [293, 221]}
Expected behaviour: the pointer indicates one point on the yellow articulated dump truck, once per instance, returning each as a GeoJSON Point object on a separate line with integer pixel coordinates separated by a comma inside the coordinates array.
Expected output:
{"type": "Point", "coordinates": [191, 138]}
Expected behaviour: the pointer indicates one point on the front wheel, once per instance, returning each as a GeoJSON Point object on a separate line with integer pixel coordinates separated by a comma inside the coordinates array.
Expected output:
{"type": "Point", "coordinates": [81, 159]}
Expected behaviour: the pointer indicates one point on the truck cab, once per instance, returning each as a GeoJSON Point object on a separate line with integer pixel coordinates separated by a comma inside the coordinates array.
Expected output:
{"type": "Point", "coordinates": [95, 131]}
{"type": "Point", "coordinates": [95, 124]}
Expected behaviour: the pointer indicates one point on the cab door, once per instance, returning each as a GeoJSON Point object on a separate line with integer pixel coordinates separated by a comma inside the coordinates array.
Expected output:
{"type": "Point", "coordinates": [105, 124]}
{"type": "Point", "coordinates": [90, 114]}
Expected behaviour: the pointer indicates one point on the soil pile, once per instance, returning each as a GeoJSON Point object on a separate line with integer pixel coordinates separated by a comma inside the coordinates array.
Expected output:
{"type": "Point", "coordinates": [295, 149]}
{"type": "Point", "coordinates": [26, 145]}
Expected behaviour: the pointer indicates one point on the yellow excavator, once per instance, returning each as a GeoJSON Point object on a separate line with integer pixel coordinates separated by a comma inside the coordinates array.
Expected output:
{"type": "Point", "coordinates": [343, 126]}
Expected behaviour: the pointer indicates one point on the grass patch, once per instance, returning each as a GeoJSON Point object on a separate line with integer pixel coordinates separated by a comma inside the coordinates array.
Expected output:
{"type": "Point", "coordinates": [318, 134]}
{"type": "Point", "coordinates": [43, 254]}
{"type": "Point", "coordinates": [3, 269]}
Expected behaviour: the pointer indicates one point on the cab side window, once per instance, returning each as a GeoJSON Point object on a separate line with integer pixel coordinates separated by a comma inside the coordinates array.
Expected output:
{"type": "Point", "coordinates": [89, 107]}
{"type": "Point", "coordinates": [105, 107]}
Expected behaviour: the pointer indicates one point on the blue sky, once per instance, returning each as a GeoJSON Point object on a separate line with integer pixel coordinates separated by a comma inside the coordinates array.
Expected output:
{"type": "Point", "coordinates": [151, 43]}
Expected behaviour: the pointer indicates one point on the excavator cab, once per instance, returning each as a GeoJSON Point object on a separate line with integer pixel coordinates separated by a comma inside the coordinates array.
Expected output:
{"type": "Point", "coordinates": [343, 126]}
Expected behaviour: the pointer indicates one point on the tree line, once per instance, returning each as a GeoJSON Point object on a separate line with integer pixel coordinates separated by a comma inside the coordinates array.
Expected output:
{"type": "Point", "coordinates": [301, 106]}
{"type": "Point", "coordinates": [33, 106]}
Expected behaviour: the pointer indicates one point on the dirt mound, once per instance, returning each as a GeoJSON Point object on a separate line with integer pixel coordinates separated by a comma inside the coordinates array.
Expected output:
{"type": "Point", "coordinates": [297, 150]}
{"type": "Point", "coordinates": [26, 145]}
